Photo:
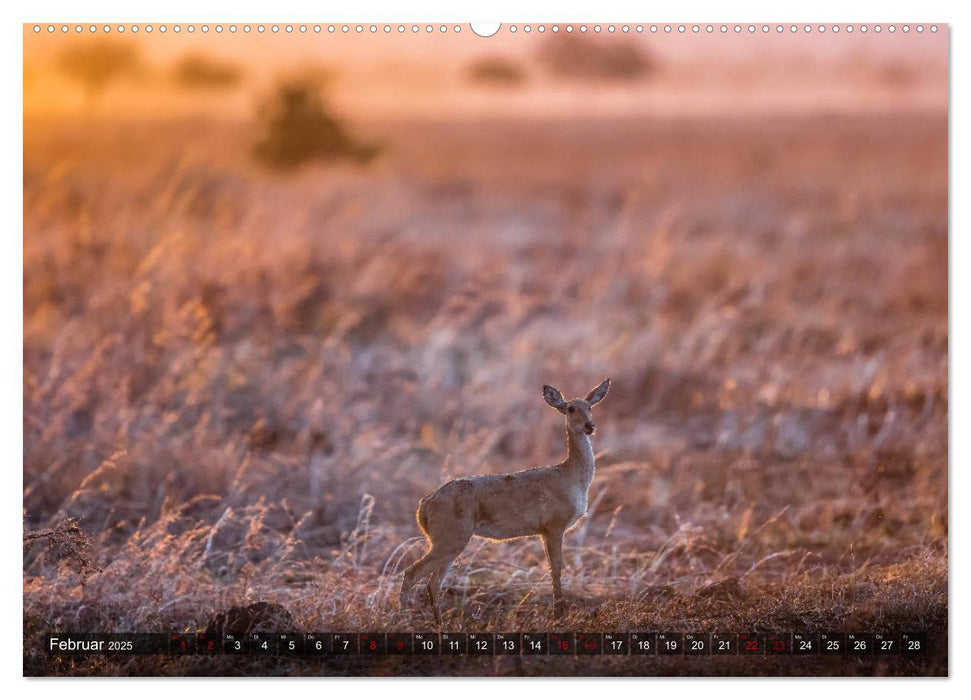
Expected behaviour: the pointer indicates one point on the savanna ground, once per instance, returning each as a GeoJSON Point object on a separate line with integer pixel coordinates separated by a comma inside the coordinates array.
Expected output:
{"type": "Point", "coordinates": [240, 383]}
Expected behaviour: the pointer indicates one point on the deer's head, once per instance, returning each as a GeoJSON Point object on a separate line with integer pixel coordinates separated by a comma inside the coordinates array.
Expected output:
{"type": "Point", "coordinates": [577, 412]}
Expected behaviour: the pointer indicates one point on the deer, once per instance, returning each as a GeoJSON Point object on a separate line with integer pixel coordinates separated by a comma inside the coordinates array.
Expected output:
{"type": "Point", "coordinates": [541, 502]}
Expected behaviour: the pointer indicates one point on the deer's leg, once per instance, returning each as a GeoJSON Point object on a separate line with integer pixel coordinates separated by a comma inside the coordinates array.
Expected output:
{"type": "Point", "coordinates": [434, 588]}
{"type": "Point", "coordinates": [439, 570]}
{"type": "Point", "coordinates": [448, 524]}
{"type": "Point", "coordinates": [413, 573]}
{"type": "Point", "coordinates": [553, 543]}
{"type": "Point", "coordinates": [440, 565]}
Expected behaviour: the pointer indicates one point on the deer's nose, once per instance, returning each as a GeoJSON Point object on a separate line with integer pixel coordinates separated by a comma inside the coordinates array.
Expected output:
{"type": "Point", "coordinates": [589, 425]}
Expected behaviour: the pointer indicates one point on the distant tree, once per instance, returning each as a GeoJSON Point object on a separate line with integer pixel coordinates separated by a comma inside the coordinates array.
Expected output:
{"type": "Point", "coordinates": [574, 57]}
{"type": "Point", "coordinates": [199, 72]}
{"type": "Point", "coordinates": [297, 127]}
{"type": "Point", "coordinates": [95, 66]}
{"type": "Point", "coordinates": [497, 71]}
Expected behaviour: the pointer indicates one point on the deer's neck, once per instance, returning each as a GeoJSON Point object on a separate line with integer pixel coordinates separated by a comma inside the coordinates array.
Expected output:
{"type": "Point", "coordinates": [579, 457]}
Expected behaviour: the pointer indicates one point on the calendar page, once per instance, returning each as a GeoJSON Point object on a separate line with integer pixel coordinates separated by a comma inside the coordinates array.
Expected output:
{"type": "Point", "coordinates": [519, 349]}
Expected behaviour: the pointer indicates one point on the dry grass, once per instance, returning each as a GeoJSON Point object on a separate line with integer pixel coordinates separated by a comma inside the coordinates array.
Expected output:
{"type": "Point", "coordinates": [240, 384]}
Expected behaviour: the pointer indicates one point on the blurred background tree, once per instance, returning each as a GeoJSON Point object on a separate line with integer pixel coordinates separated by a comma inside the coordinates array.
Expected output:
{"type": "Point", "coordinates": [496, 71]}
{"type": "Point", "coordinates": [200, 72]}
{"type": "Point", "coordinates": [574, 57]}
{"type": "Point", "coordinates": [95, 66]}
{"type": "Point", "coordinates": [297, 126]}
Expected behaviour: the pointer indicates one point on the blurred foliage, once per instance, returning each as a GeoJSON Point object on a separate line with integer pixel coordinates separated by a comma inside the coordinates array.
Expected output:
{"type": "Point", "coordinates": [496, 71]}
{"type": "Point", "coordinates": [575, 57]}
{"type": "Point", "coordinates": [200, 72]}
{"type": "Point", "coordinates": [297, 126]}
{"type": "Point", "coordinates": [95, 66]}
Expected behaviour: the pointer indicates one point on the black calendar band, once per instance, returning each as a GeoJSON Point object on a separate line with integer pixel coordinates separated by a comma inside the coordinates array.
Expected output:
{"type": "Point", "coordinates": [487, 643]}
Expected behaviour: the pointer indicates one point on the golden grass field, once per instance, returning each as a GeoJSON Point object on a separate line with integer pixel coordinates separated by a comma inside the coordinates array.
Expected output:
{"type": "Point", "coordinates": [240, 382]}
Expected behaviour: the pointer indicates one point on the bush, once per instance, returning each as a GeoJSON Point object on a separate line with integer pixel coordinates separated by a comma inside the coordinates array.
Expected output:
{"type": "Point", "coordinates": [297, 127]}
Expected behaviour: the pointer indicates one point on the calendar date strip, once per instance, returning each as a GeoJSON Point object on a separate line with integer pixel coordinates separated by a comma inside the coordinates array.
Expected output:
{"type": "Point", "coordinates": [486, 644]}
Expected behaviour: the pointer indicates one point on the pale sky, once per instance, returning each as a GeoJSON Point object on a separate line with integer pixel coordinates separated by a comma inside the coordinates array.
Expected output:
{"type": "Point", "coordinates": [426, 75]}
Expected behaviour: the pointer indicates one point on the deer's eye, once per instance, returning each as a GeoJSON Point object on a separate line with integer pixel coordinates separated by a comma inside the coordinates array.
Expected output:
{"type": "Point", "coordinates": [571, 409]}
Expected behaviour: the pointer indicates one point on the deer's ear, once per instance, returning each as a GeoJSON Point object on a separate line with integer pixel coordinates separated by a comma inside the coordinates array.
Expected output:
{"type": "Point", "coordinates": [597, 395]}
{"type": "Point", "coordinates": [554, 398]}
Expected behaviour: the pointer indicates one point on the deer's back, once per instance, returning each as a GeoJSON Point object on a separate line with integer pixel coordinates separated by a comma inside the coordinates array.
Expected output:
{"type": "Point", "coordinates": [506, 506]}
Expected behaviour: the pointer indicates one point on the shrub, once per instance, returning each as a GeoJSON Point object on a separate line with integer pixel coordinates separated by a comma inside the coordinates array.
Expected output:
{"type": "Point", "coordinates": [297, 127]}
{"type": "Point", "coordinates": [65, 540]}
